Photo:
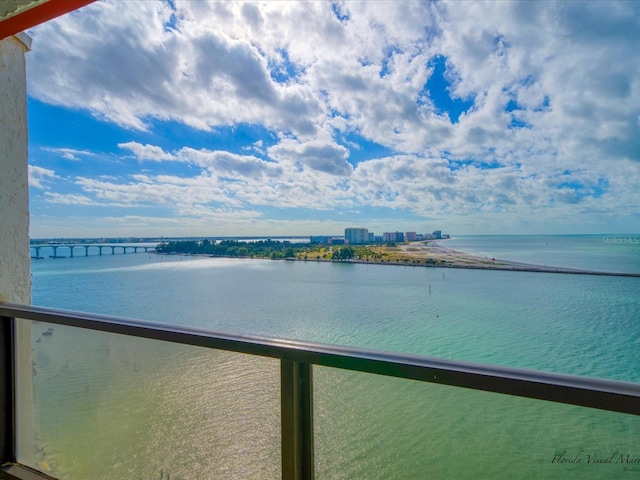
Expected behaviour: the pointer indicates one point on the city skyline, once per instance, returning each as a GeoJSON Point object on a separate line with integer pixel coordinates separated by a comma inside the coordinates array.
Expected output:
{"type": "Point", "coordinates": [176, 118]}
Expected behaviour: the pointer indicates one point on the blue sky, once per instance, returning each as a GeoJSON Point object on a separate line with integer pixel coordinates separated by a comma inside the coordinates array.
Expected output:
{"type": "Point", "coordinates": [187, 118]}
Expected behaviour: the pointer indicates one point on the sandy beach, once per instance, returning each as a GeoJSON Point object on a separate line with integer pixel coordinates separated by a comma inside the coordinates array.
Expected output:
{"type": "Point", "coordinates": [434, 253]}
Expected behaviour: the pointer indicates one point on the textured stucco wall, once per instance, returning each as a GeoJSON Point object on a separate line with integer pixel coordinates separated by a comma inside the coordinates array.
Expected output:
{"type": "Point", "coordinates": [15, 261]}
{"type": "Point", "coordinates": [15, 267]}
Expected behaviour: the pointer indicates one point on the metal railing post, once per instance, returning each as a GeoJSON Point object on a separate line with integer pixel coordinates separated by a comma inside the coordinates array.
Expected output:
{"type": "Point", "coordinates": [296, 420]}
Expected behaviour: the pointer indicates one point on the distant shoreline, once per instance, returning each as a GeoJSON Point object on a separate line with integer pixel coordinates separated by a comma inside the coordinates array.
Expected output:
{"type": "Point", "coordinates": [433, 254]}
{"type": "Point", "coordinates": [458, 259]}
{"type": "Point", "coordinates": [450, 258]}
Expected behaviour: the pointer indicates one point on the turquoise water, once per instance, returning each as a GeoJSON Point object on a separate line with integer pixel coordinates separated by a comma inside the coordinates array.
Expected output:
{"type": "Point", "coordinates": [533, 320]}
{"type": "Point", "coordinates": [605, 253]}
{"type": "Point", "coordinates": [199, 414]}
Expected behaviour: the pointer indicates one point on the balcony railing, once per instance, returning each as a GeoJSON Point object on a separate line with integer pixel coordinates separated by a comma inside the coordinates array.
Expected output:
{"type": "Point", "coordinates": [297, 359]}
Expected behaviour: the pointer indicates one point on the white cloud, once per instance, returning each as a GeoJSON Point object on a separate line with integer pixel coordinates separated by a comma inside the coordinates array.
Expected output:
{"type": "Point", "coordinates": [212, 67]}
{"type": "Point", "coordinates": [70, 153]}
{"type": "Point", "coordinates": [320, 156]}
{"type": "Point", "coordinates": [68, 199]}
{"type": "Point", "coordinates": [130, 71]}
{"type": "Point", "coordinates": [146, 152]}
{"type": "Point", "coordinates": [38, 176]}
{"type": "Point", "coordinates": [311, 77]}
{"type": "Point", "coordinates": [468, 194]}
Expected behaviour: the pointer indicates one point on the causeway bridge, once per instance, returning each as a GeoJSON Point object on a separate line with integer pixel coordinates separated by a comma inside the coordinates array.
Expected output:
{"type": "Point", "coordinates": [96, 249]}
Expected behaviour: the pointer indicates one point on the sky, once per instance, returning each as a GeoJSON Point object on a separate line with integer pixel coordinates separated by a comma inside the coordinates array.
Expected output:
{"type": "Point", "coordinates": [194, 118]}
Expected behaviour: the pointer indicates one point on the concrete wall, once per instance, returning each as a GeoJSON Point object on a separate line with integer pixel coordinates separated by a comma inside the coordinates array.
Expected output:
{"type": "Point", "coordinates": [15, 261]}
{"type": "Point", "coordinates": [15, 266]}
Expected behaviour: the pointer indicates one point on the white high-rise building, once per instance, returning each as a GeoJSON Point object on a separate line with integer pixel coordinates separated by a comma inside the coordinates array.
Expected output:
{"type": "Point", "coordinates": [356, 235]}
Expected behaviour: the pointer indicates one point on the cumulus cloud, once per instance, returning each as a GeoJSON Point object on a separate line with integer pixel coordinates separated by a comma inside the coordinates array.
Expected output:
{"type": "Point", "coordinates": [38, 176]}
{"type": "Point", "coordinates": [216, 162]}
{"type": "Point", "coordinates": [552, 92]}
{"type": "Point", "coordinates": [326, 157]}
{"type": "Point", "coordinates": [130, 71]}
{"type": "Point", "coordinates": [206, 65]}
{"type": "Point", "coordinates": [146, 152]}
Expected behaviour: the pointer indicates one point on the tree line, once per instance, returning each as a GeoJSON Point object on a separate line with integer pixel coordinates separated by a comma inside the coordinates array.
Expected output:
{"type": "Point", "coordinates": [229, 248]}
{"type": "Point", "coordinates": [265, 249]}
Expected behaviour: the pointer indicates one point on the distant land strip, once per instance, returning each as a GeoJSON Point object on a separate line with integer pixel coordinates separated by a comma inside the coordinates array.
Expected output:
{"type": "Point", "coordinates": [417, 254]}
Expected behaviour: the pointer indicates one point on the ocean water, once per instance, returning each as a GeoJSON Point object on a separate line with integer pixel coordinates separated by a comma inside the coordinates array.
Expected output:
{"type": "Point", "coordinates": [604, 253]}
{"type": "Point", "coordinates": [151, 409]}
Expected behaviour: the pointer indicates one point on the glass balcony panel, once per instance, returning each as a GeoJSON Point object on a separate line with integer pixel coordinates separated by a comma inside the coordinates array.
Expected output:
{"type": "Point", "coordinates": [110, 406]}
{"type": "Point", "coordinates": [374, 427]}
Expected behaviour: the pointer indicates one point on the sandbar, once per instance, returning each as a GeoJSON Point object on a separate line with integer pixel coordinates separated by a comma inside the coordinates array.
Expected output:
{"type": "Point", "coordinates": [434, 254]}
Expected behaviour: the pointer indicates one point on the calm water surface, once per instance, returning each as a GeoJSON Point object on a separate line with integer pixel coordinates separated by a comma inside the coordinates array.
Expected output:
{"type": "Point", "coordinates": [605, 253]}
{"type": "Point", "coordinates": [197, 414]}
